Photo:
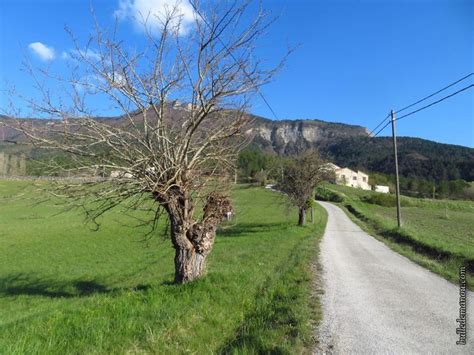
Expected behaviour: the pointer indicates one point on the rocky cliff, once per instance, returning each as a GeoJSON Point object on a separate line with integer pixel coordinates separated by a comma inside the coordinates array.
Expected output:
{"type": "Point", "coordinates": [292, 136]}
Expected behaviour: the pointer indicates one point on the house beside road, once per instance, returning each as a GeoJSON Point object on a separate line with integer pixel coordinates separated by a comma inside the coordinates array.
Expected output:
{"type": "Point", "coordinates": [348, 177]}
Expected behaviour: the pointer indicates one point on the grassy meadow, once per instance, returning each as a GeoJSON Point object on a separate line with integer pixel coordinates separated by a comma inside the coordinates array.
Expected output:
{"type": "Point", "coordinates": [65, 288]}
{"type": "Point", "coordinates": [438, 234]}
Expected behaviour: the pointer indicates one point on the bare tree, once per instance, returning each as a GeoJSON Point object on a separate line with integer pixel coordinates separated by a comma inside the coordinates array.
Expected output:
{"type": "Point", "coordinates": [182, 101]}
{"type": "Point", "coordinates": [300, 175]}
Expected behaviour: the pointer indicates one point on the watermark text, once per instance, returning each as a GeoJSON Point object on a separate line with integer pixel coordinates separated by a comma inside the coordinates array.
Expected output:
{"type": "Point", "coordinates": [461, 329]}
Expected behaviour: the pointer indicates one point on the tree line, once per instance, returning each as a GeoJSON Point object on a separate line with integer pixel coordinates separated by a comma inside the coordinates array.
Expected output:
{"type": "Point", "coordinates": [259, 167]}
{"type": "Point", "coordinates": [417, 158]}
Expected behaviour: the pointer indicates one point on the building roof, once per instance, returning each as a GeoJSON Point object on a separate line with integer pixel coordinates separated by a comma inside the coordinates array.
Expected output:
{"type": "Point", "coordinates": [332, 166]}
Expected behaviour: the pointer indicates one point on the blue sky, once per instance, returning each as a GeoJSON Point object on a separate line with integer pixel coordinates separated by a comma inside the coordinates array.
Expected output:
{"type": "Point", "coordinates": [355, 60]}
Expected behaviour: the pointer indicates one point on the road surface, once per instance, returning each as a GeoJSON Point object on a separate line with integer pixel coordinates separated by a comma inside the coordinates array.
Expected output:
{"type": "Point", "coordinates": [378, 302]}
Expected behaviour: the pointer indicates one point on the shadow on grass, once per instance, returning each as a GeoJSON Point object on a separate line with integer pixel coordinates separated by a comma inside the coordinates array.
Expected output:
{"type": "Point", "coordinates": [22, 284]}
{"type": "Point", "coordinates": [242, 229]}
{"type": "Point", "coordinates": [272, 313]}
{"type": "Point", "coordinates": [265, 316]}
{"type": "Point", "coordinates": [401, 237]}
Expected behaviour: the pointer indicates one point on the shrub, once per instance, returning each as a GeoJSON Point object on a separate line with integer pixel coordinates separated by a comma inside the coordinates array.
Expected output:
{"type": "Point", "coordinates": [323, 194]}
{"type": "Point", "coordinates": [385, 200]}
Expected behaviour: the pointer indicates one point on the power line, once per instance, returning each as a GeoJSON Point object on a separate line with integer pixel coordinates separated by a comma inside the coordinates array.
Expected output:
{"type": "Point", "coordinates": [394, 134]}
{"type": "Point", "coordinates": [381, 129]}
{"type": "Point", "coordinates": [436, 102]}
{"type": "Point", "coordinates": [435, 93]}
{"type": "Point", "coordinates": [235, 59]}
{"type": "Point", "coordinates": [420, 109]}
{"type": "Point", "coordinates": [372, 131]}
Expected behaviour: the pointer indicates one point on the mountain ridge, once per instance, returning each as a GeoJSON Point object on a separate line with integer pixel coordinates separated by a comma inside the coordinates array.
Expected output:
{"type": "Point", "coordinates": [344, 144]}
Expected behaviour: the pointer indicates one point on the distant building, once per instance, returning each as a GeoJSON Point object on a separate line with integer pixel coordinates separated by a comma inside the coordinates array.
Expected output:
{"type": "Point", "coordinates": [177, 104]}
{"type": "Point", "coordinates": [118, 174]}
{"type": "Point", "coordinates": [348, 177]}
{"type": "Point", "coordinates": [381, 188]}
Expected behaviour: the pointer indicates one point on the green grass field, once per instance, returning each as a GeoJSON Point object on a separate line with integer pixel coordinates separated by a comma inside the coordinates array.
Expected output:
{"type": "Point", "coordinates": [65, 288]}
{"type": "Point", "coordinates": [438, 234]}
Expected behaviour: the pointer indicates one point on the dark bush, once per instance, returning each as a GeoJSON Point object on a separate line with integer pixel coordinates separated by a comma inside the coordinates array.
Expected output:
{"type": "Point", "coordinates": [385, 200]}
{"type": "Point", "coordinates": [323, 194]}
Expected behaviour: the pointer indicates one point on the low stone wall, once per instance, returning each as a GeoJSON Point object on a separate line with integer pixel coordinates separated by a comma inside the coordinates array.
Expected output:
{"type": "Point", "coordinates": [53, 178]}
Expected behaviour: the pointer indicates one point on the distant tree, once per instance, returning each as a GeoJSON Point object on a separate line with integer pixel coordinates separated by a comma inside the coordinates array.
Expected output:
{"type": "Point", "coordinates": [379, 179]}
{"type": "Point", "coordinates": [458, 188]}
{"type": "Point", "coordinates": [300, 176]}
{"type": "Point", "coordinates": [443, 189]}
{"type": "Point", "coordinates": [260, 177]}
{"type": "Point", "coordinates": [166, 157]}
{"type": "Point", "coordinates": [252, 161]}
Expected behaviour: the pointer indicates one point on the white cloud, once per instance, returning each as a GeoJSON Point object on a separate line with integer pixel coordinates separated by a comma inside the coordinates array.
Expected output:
{"type": "Point", "coordinates": [116, 79]}
{"type": "Point", "coordinates": [42, 51]}
{"type": "Point", "coordinates": [95, 83]}
{"type": "Point", "coordinates": [153, 12]}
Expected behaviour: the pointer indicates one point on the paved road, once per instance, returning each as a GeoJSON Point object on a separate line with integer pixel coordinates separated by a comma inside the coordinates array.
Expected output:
{"type": "Point", "coordinates": [378, 302]}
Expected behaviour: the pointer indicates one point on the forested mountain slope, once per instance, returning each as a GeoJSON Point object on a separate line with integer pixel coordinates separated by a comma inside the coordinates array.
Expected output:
{"type": "Point", "coordinates": [343, 144]}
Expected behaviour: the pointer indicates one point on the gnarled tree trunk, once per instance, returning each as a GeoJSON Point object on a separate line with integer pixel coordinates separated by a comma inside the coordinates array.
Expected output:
{"type": "Point", "coordinates": [189, 265]}
{"type": "Point", "coordinates": [192, 251]}
{"type": "Point", "coordinates": [301, 217]}
{"type": "Point", "coordinates": [193, 241]}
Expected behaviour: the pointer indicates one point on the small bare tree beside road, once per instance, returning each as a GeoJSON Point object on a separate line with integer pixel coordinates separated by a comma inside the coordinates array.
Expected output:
{"type": "Point", "coordinates": [300, 175]}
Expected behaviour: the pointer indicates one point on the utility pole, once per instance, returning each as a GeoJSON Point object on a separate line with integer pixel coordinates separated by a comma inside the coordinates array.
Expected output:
{"type": "Point", "coordinates": [394, 137]}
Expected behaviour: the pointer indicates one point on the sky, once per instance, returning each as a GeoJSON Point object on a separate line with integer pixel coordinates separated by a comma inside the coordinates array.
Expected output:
{"type": "Point", "coordinates": [354, 61]}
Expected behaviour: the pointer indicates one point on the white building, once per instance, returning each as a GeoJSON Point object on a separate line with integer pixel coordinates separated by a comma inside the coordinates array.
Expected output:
{"type": "Point", "coordinates": [382, 188]}
{"type": "Point", "coordinates": [348, 177]}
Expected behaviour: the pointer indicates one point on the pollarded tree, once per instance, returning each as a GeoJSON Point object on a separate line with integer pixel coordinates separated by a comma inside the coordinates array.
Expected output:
{"type": "Point", "coordinates": [300, 175]}
{"type": "Point", "coordinates": [182, 98]}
